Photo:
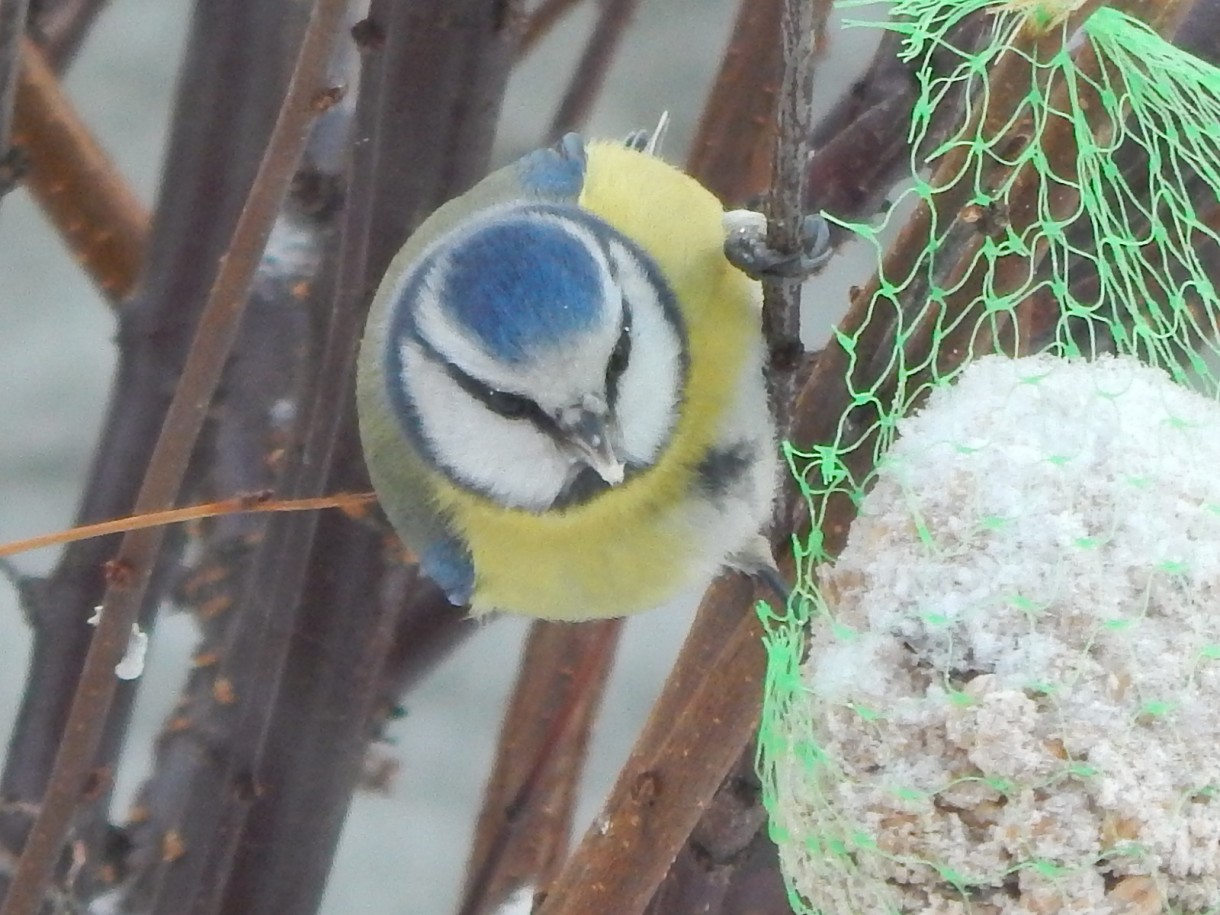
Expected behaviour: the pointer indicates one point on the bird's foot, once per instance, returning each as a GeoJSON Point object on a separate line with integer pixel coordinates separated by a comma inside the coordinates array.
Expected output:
{"type": "Point", "coordinates": [648, 141]}
{"type": "Point", "coordinates": [746, 247]}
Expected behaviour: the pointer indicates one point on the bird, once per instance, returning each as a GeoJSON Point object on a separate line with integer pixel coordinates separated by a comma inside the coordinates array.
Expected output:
{"type": "Point", "coordinates": [561, 389]}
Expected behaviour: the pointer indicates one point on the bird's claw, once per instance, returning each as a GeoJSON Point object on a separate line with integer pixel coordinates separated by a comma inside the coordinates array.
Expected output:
{"type": "Point", "coordinates": [638, 139]}
{"type": "Point", "coordinates": [746, 247]}
{"type": "Point", "coordinates": [648, 141]}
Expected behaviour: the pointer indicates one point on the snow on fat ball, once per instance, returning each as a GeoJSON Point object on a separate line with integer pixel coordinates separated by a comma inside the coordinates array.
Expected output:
{"type": "Point", "coordinates": [1013, 697]}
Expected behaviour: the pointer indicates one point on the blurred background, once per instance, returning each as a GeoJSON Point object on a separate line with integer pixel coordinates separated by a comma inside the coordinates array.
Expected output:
{"type": "Point", "coordinates": [403, 851]}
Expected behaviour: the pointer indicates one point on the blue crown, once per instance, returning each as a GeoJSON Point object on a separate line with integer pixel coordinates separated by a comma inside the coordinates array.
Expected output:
{"type": "Point", "coordinates": [522, 283]}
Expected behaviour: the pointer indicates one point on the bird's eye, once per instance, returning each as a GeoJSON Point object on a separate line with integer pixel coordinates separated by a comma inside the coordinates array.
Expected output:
{"type": "Point", "coordinates": [510, 406]}
{"type": "Point", "coordinates": [621, 355]}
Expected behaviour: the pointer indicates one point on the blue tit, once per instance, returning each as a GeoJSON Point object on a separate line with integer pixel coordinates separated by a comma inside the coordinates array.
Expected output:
{"type": "Point", "coordinates": [561, 390]}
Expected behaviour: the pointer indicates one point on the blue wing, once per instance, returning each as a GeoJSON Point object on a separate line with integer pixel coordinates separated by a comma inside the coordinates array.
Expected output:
{"type": "Point", "coordinates": [555, 172]}
{"type": "Point", "coordinates": [447, 562]}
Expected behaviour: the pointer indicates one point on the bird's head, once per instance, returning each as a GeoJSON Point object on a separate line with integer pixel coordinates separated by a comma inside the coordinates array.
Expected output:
{"type": "Point", "coordinates": [536, 356]}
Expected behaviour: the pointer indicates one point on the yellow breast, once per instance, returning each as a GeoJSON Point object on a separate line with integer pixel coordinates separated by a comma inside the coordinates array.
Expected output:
{"type": "Point", "coordinates": [632, 547]}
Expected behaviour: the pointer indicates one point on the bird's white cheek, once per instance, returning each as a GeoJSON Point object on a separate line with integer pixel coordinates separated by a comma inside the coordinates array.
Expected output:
{"type": "Point", "coordinates": [651, 386]}
{"type": "Point", "coordinates": [510, 461]}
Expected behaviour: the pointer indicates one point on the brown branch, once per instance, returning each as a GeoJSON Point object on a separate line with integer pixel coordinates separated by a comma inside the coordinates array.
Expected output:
{"type": "Point", "coordinates": [594, 880]}
{"type": "Point", "coordinates": [284, 355]}
{"type": "Point", "coordinates": [724, 866]}
{"type": "Point", "coordinates": [132, 568]}
{"type": "Point", "coordinates": [12, 26]}
{"type": "Point", "coordinates": [785, 211]}
{"type": "Point", "coordinates": [728, 852]}
{"type": "Point", "coordinates": [298, 688]}
{"type": "Point", "coordinates": [231, 88]}
{"type": "Point", "coordinates": [59, 27]}
{"type": "Point", "coordinates": [874, 334]}
{"type": "Point", "coordinates": [707, 710]}
{"type": "Point", "coordinates": [590, 73]}
{"type": "Point", "coordinates": [1199, 32]}
{"type": "Point", "coordinates": [525, 824]}
{"type": "Point", "coordinates": [542, 20]}
{"type": "Point", "coordinates": [99, 217]}
{"type": "Point", "coordinates": [735, 141]}
{"type": "Point", "coordinates": [1030, 187]}
{"type": "Point", "coordinates": [966, 226]}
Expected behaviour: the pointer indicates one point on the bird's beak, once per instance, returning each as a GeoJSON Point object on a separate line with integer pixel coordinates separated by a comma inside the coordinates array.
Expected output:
{"type": "Point", "coordinates": [587, 435]}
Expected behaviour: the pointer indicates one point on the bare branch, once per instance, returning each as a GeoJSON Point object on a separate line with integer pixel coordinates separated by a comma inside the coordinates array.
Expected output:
{"type": "Point", "coordinates": [60, 26]}
{"type": "Point", "coordinates": [228, 102]}
{"type": "Point", "coordinates": [542, 20]}
{"type": "Point", "coordinates": [12, 26]}
{"type": "Point", "coordinates": [785, 211]}
{"type": "Point", "coordinates": [525, 824]}
{"type": "Point", "coordinates": [95, 211]}
{"type": "Point", "coordinates": [296, 690]}
{"type": "Point", "coordinates": [132, 568]}
{"type": "Point", "coordinates": [705, 715]}
{"type": "Point", "coordinates": [735, 141]}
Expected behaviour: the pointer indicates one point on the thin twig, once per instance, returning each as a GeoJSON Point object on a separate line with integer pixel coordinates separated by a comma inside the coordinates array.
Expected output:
{"type": "Point", "coordinates": [131, 569]}
{"type": "Point", "coordinates": [238, 505]}
{"type": "Point", "coordinates": [785, 216]}
{"type": "Point", "coordinates": [95, 211]}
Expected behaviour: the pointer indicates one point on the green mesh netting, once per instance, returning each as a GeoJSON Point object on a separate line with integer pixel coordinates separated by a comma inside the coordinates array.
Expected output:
{"type": "Point", "coordinates": [1003, 696]}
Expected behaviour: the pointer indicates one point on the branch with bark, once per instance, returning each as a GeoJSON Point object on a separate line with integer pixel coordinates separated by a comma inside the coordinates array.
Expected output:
{"type": "Point", "coordinates": [314, 627]}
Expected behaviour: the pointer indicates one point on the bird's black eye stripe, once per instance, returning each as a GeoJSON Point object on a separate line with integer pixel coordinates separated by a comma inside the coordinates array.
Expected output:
{"type": "Point", "coordinates": [502, 403]}
{"type": "Point", "coordinates": [510, 406]}
{"type": "Point", "coordinates": [622, 352]}
{"type": "Point", "coordinates": [620, 357]}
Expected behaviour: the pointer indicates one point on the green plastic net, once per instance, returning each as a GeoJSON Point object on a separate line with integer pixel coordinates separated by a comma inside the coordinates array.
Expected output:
{"type": "Point", "coordinates": [1003, 696]}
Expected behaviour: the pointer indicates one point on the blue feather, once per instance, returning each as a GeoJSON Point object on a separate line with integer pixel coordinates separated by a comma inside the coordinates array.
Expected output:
{"type": "Point", "coordinates": [448, 564]}
{"type": "Point", "coordinates": [557, 171]}
{"type": "Point", "coordinates": [522, 284]}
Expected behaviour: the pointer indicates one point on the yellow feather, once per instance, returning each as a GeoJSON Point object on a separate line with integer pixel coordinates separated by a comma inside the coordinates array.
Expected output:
{"type": "Point", "coordinates": [632, 547]}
